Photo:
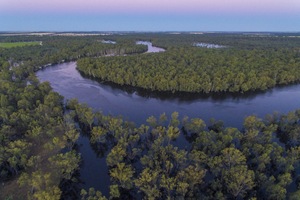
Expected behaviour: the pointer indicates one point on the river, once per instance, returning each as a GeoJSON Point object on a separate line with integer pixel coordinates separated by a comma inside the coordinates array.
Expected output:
{"type": "Point", "coordinates": [151, 49]}
{"type": "Point", "coordinates": [138, 105]}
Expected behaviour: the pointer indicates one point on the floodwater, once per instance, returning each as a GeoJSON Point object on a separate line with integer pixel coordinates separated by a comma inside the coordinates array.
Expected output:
{"type": "Point", "coordinates": [137, 105]}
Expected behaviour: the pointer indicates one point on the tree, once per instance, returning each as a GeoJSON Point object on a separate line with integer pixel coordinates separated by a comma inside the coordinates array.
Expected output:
{"type": "Point", "coordinates": [232, 170]}
{"type": "Point", "coordinates": [91, 195]}
{"type": "Point", "coordinates": [238, 180]}
{"type": "Point", "coordinates": [66, 163]}
{"type": "Point", "coordinates": [98, 134]}
{"type": "Point", "coordinates": [115, 156]}
{"type": "Point", "coordinates": [42, 185]}
{"type": "Point", "coordinates": [148, 183]}
{"type": "Point", "coordinates": [123, 174]}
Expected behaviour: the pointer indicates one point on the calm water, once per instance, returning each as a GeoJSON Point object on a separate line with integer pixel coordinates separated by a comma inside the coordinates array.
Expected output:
{"type": "Point", "coordinates": [138, 105]}
{"type": "Point", "coordinates": [151, 49]}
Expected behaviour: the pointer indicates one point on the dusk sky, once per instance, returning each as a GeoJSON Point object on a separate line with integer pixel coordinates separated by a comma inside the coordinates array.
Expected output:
{"type": "Point", "coordinates": [153, 15]}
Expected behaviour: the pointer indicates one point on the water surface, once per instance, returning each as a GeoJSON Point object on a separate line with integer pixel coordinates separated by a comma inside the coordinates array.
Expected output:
{"type": "Point", "coordinates": [151, 49]}
{"type": "Point", "coordinates": [137, 105]}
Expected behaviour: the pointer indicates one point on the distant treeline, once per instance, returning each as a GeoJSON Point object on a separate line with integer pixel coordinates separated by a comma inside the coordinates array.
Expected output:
{"type": "Point", "coordinates": [56, 49]}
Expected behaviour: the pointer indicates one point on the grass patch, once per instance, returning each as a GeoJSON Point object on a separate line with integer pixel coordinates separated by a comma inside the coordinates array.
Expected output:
{"type": "Point", "coordinates": [18, 44]}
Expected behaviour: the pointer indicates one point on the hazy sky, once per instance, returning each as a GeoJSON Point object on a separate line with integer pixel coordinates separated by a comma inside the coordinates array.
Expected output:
{"type": "Point", "coordinates": [150, 15]}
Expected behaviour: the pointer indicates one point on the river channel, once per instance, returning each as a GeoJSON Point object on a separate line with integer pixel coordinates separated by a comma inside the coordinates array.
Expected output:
{"type": "Point", "coordinates": [137, 105]}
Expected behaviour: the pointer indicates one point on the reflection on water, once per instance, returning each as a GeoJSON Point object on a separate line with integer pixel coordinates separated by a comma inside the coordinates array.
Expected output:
{"type": "Point", "coordinates": [151, 49]}
{"type": "Point", "coordinates": [180, 96]}
{"type": "Point", "coordinates": [137, 105]}
{"type": "Point", "coordinates": [94, 171]}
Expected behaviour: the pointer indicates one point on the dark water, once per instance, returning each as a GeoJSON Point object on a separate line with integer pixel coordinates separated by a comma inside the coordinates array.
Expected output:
{"type": "Point", "coordinates": [94, 171]}
{"type": "Point", "coordinates": [138, 105]}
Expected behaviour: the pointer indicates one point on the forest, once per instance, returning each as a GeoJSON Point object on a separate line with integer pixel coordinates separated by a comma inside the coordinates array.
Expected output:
{"type": "Point", "coordinates": [184, 68]}
{"type": "Point", "coordinates": [39, 156]}
{"type": "Point", "coordinates": [221, 163]}
{"type": "Point", "coordinates": [198, 70]}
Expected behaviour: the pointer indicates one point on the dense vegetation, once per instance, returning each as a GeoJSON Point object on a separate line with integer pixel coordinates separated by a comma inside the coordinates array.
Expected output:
{"type": "Point", "coordinates": [17, 44]}
{"type": "Point", "coordinates": [36, 142]}
{"type": "Point", "coordinates": [199, 70]}
{"type": "Point", "coordinates": [38, 134]}
{"type": "Point", "coordinates": [248, 63]}
{"type": "Point", "coordinates": [222, 163]}
{"type": "Point", "coordinates": [56, 49]}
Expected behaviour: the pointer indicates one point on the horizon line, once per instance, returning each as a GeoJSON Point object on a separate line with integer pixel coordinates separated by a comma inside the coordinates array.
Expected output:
{"type": "Point", "coordinates": [136, 31]}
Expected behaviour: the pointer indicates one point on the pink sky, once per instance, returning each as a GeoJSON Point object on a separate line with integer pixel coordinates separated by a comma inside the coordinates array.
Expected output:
{"type": "Point", "coordinates": [140, 6]}
{"type": "Point", "coordinates": [150, 15]}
